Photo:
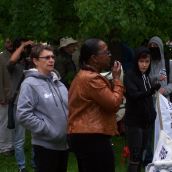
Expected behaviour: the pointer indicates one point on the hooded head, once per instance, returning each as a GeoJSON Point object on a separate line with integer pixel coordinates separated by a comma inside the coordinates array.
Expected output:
{"type": "Point", "coordinates": [156, 47]}
{"type": "Point", "coordinates": [142, 60]}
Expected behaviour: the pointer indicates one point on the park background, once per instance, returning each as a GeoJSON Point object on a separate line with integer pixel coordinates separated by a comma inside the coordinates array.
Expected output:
{"type": "Point", "coordinates": [48, 20]}
{"type": "Point", "coordinates": [131, 21]}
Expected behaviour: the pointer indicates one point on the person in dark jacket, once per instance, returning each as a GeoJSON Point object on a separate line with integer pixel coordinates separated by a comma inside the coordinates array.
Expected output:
{"type": "Point", "coordinates": [64, 63]}
{"type": "Point", "coordinates": [6, 135]}
{"type": "Point", "coordinates": [140, 112]}
{"type": "Point", "coordinates": [16, 64]}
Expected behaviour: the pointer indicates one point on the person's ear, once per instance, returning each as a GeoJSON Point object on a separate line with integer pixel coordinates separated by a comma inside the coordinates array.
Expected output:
{"type": "Point", "coordinates": [93, 58]}
{"type": "Point", "coordinates": [35, 61]}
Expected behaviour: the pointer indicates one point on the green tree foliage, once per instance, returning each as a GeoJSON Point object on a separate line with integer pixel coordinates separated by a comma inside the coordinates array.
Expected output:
{"type": "Point", "coordinates": [40, 19]}
{"type": "Point", "coordinates": [65, 20]}
{"type": "Point", "coordinates": [31, 18]}
{"type": "Point", "coordinates": [131, 20]}
{"type": "Point", "coordinates": [5, 17]}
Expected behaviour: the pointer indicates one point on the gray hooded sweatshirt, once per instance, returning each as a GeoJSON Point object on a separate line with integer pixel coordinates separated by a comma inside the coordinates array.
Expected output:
{"type": "Point", "coordinates": [42, 109]}
{"type": "Point", "coordinates": [157, 66]}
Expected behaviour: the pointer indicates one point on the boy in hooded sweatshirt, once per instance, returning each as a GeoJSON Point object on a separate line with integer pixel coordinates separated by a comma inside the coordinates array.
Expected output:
{"type": "Point", "coordinates": [140, 112]}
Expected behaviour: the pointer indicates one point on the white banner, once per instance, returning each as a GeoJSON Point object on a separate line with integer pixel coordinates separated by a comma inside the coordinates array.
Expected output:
{"type": "Point", "coordinates": [162, 160]}
{"type": "Point", "coordinates": [164, 117]}
{"type": "Point", "coordinates": [163, 150]}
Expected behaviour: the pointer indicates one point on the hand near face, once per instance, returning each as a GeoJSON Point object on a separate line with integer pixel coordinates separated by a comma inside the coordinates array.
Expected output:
{"type": "Point", "coordinates": [162, 77]}
{"type": "Point", "coordinates": [162, 90]}
{"type": "Point", "coordinates": [116, 70]}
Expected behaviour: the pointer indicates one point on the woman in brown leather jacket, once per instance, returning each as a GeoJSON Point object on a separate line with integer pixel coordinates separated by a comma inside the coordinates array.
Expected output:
{"type": "Point", "coordinates": [93, 102]}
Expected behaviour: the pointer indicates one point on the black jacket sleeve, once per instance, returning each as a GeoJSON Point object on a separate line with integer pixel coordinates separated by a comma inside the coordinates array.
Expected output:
{"type": "Point", "coordinates": [133, 90]}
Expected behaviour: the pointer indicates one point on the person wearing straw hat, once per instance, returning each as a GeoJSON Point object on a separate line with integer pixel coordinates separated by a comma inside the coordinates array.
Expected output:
{"type": "Point", "coordinates": [64, 63]}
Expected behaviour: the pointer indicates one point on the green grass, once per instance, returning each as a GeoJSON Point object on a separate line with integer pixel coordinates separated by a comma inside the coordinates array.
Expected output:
{"type": "Point", "coordinates": [8, 163]}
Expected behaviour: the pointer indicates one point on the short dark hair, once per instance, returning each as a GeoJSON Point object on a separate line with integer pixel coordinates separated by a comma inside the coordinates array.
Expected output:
{"type": "Point", "coordinates": [142, 52]}
{"type": "Point", "coordinates": [38, 48]}
{"type": "Point", "coordinates": [90, 47]}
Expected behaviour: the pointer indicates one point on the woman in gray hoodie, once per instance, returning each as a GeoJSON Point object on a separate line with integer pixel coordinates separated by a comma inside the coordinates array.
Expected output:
{"type": "Point", "coordinates": [42, 109]}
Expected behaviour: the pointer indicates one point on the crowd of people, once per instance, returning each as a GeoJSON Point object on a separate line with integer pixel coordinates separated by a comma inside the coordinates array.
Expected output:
{"type": "Point", "coordinates": [72, 107]}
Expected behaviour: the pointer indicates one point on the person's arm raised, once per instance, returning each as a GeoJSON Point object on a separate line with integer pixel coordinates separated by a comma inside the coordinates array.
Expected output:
{"type": "Point", "coordinates": [16, 55]}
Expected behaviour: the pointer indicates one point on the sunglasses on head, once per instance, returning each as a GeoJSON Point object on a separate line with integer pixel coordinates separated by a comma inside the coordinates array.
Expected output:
{"type": "Point", "coordinates": [47, 57]}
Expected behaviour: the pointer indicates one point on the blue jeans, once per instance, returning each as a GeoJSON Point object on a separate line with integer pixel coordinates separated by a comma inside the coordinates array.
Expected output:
{"type": "Point", "coordinates": [19, 139]}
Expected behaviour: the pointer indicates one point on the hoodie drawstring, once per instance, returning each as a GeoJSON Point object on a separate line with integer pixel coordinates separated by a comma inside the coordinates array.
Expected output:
{"type": "Point", "coordinates": [59, 96]}
{"type": "Point", "coordinates": [146, 82]}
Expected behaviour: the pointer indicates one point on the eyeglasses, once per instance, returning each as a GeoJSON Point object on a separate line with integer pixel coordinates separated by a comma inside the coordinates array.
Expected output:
{"type": "Point", "coordinates": [106, 53]}
{"type": "Point", "coordinates": [47, 57]}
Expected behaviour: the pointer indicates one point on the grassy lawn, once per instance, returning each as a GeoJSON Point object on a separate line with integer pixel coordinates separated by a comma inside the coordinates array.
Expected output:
{"type": "Point", "coordinates": [8, 163]}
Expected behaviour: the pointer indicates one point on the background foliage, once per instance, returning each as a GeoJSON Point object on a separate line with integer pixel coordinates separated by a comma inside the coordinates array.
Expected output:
{"type": "Point", "coordinates": [131, 21]}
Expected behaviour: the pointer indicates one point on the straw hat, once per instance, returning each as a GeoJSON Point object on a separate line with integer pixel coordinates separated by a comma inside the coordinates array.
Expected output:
{"type": "Point", "coordinates": [67, 41]}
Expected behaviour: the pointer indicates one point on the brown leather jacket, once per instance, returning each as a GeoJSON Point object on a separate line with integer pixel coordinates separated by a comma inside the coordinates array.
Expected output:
{"type": "Point", "coordinates": [93, 103]}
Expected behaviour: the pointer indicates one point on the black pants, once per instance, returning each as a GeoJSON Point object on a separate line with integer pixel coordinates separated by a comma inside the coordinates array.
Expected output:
{"type": "Point", "coordinates": [48, 160]}
{"type": "Point", "coordinates": [149, 147]}
{"type": "Point", "coordinates": [137, 140]}
{"type": "Point", "coordinates": [94, 152]}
